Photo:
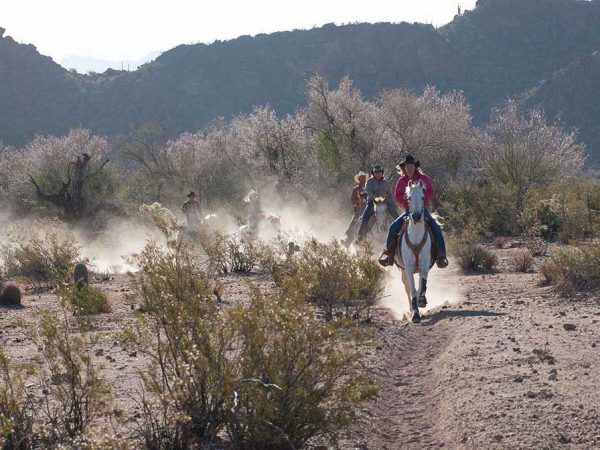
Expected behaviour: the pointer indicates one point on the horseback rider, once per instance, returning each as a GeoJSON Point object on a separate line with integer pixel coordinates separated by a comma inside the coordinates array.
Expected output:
{"type": "Point", "coordinates": [377, 186]}
{"type": "Point", "coordinates": [255, 211]}
{"type": "Point", "coordinates": [358, 200]}
{"type": "Point", "coordinates": [191, 209]}
{"type": "Point", "coordinates": [409, 170]}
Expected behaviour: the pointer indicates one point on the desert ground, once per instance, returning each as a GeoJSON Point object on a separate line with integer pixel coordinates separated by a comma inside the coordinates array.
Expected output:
{"type": "Point", "coordinates": [499, 361]}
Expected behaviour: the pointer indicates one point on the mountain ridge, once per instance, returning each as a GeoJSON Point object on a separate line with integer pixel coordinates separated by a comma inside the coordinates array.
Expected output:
{"type": "Point", "coordinates": [500, 49]}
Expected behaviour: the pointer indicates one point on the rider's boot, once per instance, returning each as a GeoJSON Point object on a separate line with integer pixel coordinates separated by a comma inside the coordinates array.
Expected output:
{"type": "Point", "coordinates": [387, 256]}
{"type": "Point", "coordinates": [442, 261]}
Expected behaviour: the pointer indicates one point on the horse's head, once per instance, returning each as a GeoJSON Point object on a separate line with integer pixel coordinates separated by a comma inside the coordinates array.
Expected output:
{"type": "Point", "coordinates": [380, 212]}
{"type": "Point", "coordinates": [415, 193]}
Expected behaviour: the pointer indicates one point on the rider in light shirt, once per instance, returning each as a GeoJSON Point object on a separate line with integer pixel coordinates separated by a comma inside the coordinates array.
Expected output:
{"type": "Point", "coordinates": [377, 186]}
{"type": "Point", "coordinates": [410, 171]}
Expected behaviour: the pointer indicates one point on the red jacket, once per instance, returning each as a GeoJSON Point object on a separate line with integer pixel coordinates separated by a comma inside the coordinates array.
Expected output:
{"type": "Point", "coordinates": [356, 198]}
{"type": "Point", "coordinates": [402, 183]}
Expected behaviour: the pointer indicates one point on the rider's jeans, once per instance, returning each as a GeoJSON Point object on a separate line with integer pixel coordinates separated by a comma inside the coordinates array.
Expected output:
{"type": "Point", "coordinates": [367, 213]}
{"type": "Point", "coordinates": [435, 229]}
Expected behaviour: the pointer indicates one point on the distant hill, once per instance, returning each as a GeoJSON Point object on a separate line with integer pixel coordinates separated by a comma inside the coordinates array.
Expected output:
{"type": "Point", "coordinates": [86, 64]}
{"type": "Point", "coordinates": [572, 96]}
{"type": "Point", "coordinates": [500, 49]}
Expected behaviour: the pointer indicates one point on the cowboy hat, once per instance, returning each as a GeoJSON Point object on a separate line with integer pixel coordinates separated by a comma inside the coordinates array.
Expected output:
{"type": "Point", "coordinates": [358, 175]}
{"type": "Point", "coordinates": [377, 168]}
{"type": "Point", "coordinates": [250, 195]}
{"type": "Point", "coordinates": [408, 159]}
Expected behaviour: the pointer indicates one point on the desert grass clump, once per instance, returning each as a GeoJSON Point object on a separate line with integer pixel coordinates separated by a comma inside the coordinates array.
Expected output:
{"type": "Point", "coordinates": [500, 242]}
{"type": "Point", "coordinates": [16, 406]}
{"type": "Point", "coordinates": [573, 269]}
{"type": "Point", "coordinates": [10, 295]}
{"type": "Point", "coordinates": [41, 257]}
{"type": "Point", "coordinates": [521, 260]}
{"type": "Point", "coordinates": [470, 254]}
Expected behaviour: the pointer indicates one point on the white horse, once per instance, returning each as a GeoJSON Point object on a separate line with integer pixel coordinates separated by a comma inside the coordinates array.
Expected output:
{"type": "Point", "coordinates": [413, 254]}
{"type": "Point", "coordinates": [380, 221]}
{"type": "Point", "coordinates": [267, 228]}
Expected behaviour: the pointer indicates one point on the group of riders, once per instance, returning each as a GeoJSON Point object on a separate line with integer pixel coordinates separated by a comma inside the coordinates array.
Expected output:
{"type": "Point", "coordinates": [367, 189]}
{"type": "Point", "coordinates": [364, 194]}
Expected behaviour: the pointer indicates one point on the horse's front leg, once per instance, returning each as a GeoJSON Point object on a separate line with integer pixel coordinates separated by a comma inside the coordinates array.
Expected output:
{"type": "Point", "coordinates": [423, 290]}
{"type": "Point", "coordinates": [414, 306]}
{"type": "Point", "coordinates": [423, 282]}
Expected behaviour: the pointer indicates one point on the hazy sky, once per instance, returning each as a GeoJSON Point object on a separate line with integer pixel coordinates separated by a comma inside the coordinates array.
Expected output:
{"type": "Point", "coordinates": [130, 29]}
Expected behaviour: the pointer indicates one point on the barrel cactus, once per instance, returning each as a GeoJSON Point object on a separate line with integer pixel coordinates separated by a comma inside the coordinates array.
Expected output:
{"type": "Point", "coordinates": [10, 295]}
{"type": "Point", "coordinates": [81, 275]}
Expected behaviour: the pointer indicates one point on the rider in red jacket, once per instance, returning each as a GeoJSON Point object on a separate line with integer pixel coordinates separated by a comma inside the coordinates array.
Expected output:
{"type": "Point", "coordinates": [410, 171]}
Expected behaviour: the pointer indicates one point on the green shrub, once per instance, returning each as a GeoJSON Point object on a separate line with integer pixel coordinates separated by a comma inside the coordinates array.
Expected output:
{"type": "Point", "coordinates": [74, 391]}
{"type": "Point", "coordinates": [187, 339]}
{"type": "Point", "coordinates": [471, 254]}
{"type": "Point", "coordinates": [543, 219]}
{"type": "Point", "coordinates": [331, 278]}
{"type": "Point", "coordinates": [226, 254]}
{"type": "Point", "coordinates": [480, 205]}
{"type": "Point", "coordinates": [297, 380]}
{"type": "Point", "coordinates": [41, 257]}
{"type": "Point", "coordinates": [266, 372]}
{"type": "Point", "coordinates": [16, 406]}
{"type": "Point", "coordinates": [535, 244]}
{"type": "Point", "coordinates": [86, 300]}
{"type": "Point", "coordinates": [573, 269]}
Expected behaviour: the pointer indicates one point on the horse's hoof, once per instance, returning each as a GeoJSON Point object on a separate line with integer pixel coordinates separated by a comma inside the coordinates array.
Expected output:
{"type": "Point", "coordinates": [416, 318]}
{"type": "Point", "coordinates": [422, 302]}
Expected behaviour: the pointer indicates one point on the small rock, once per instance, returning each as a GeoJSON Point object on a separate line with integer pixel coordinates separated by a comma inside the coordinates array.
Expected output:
{"type": "Point", "coordinates": [379, 347]}
{"type": "Point", "coordinates": [133, 354]}
{"type": "Point", "coordinates": [99, 352]}
{"type": "Point", "coordinates": [569, 326]}
{"type": "Point", "coordinates": [594, 344]}
{"type": "Point", "coordinates": [531, 394]}
{"type": "Point", "coordinates": [518, 379]}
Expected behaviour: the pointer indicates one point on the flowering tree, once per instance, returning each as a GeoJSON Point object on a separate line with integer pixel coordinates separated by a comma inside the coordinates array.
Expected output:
{"type": "Point", "coordinates": [67, 172]}
{"type": "Point", "coordinates": [276, 148]}
{"type": "Point", "coordinates": [433, 127]}
{"type": "Point", "coordinates": [523, 151]}
{"type": "Point", "coordinates": [344, 127]}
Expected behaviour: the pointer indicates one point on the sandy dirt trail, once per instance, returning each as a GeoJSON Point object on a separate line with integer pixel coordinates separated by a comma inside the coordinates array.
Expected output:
{"type": "Point", "coordinates": [512, 365]}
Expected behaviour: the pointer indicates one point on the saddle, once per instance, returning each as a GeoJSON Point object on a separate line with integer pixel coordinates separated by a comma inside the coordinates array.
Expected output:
{"type": "Point", "coordinates": [416, 248]}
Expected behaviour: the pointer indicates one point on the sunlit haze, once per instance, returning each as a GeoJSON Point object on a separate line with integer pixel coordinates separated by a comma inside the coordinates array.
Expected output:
{"type": "Point", "coordinates": [130, 30]}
